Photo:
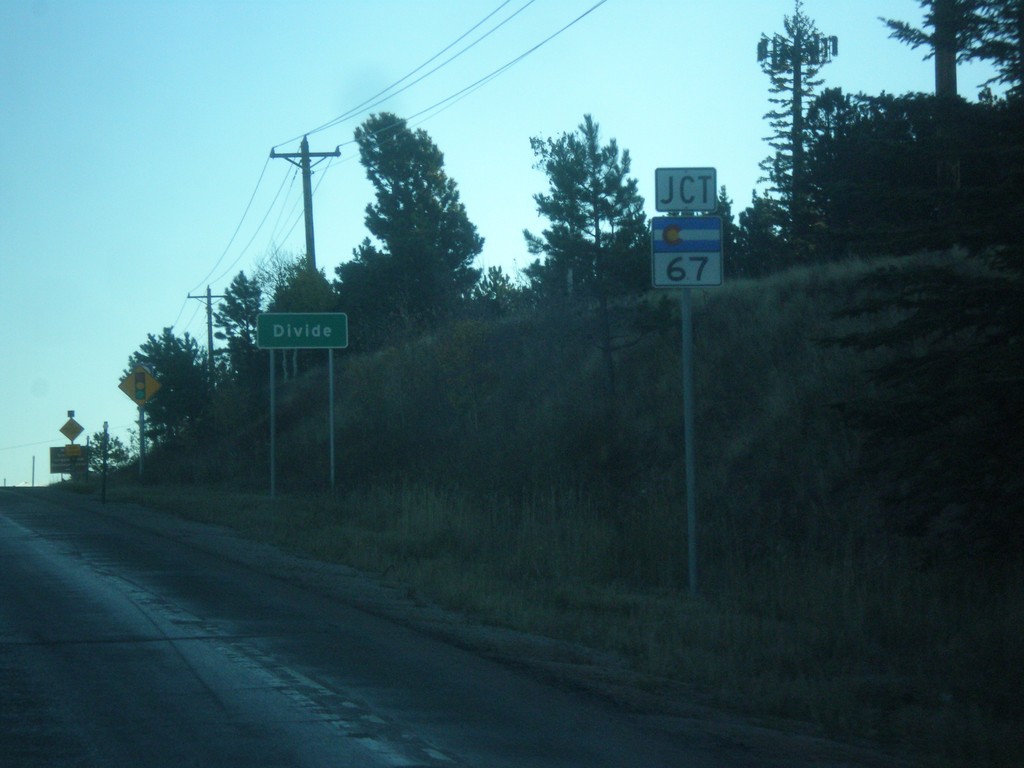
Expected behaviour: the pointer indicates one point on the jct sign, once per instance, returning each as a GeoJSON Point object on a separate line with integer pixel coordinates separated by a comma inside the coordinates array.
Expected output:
{"type": "Point", "coordinates": [686, 190]}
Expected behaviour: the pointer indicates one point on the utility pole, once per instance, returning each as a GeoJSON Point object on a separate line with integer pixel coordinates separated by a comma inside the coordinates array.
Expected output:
{"type": "Point", "coordinates": [209, 325]}
{"type": "Point", "coordinates": [303, 156]}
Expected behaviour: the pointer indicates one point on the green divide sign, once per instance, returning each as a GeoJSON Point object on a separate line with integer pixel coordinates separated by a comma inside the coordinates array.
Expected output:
{"type": "Point", "coordinates": [302, 330]}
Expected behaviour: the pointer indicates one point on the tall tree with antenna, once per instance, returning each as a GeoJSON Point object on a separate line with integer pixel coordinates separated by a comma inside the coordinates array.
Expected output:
{"type": "Point", "coordinates": [792, 61]}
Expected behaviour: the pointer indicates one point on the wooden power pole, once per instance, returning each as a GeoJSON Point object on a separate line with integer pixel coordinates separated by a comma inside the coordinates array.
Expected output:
{"type": "Point", "coordinates": [301, 160]}
{"type": "Point", "coordinates": [209, 297]}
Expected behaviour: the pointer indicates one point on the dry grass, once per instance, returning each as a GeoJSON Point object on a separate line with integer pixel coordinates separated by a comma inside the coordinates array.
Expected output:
{"type": "Point", "coordinates": [485, 481]}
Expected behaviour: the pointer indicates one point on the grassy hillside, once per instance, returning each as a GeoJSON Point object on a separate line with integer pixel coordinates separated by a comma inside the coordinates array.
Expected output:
{"type": "Point", "coordinates": [486, 468]}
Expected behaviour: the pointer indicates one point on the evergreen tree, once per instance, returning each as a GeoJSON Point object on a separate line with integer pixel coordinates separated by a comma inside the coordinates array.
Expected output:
{"type": "Point", "coordinates": [951, 33]}
{"type": "Point", "coordinates": [1002, 43]}
{"type": "Point", "coordinates": [298, 288]}
{"type": "Point", "coordinates": [597, 242]}
{"type": "Point", "coordinates": [730, 232]}
{"type": "Point", "coordinates": [119, 455]}
{"type": "Point", "coordinates": [236, 318]}
{"type": "Point", "coordinates": [952, 30]}
{"type": "Point", "coordinates": [177, 413]}
{"type": "Point", "coordinates": [760, 246]}
{"type": "Point", "coordinates": [792, 61]}
{"type": "Point", "coordinates": [303, 290]}
{"type": "Point", "coordinates": [871, 174]}
{"type": "Point", "coordinates": [945, 431]}
{"type": "Point", "coordinates": [497, 294]}
{"type": "Point", "coordinates": [418, 267]}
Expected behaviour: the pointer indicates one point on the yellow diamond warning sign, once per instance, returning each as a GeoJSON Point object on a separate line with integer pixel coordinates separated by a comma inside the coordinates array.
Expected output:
{"type": "Point", "coordinates": [71, 430]}
{"type": "Point", "coordinates": [139, 385]}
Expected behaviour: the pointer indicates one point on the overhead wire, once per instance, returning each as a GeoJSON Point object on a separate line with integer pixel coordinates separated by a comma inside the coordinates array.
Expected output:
{"type": "Point", "coordinates": [237, 228]}
{"type": "Point", "coordinates": [24, 445]}
{"type": "Point", "coordinates": [319, 181]}
{"type": "Point", "coordinates": [427, 113]}
{"type": "Point", "coordinates": [280, 215]}
{"type": "Point", "coordinates": [180, 311]}
{"type": "Point", "coordinates": [369, 103]}
{"type": "Point", "coordinates": [362, 107]}
{"type": "Point", "coordinates": [476, 85]}
{"type": "Point", "coordinates": [192, 319]}
{"type": "Point", "coordinates": [263, 221]}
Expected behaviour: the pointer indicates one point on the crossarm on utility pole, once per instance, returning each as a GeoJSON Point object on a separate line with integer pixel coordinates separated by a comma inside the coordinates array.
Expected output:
{"type": "Point", "coordinates": [303, 156]}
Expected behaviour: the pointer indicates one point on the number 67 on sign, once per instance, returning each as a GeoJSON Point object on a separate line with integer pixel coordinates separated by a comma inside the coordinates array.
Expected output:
{"type": "Point", "coordinates": [686, 251]}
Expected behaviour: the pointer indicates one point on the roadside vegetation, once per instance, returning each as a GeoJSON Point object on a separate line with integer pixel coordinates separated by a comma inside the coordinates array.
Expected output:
{"type": "Point", "coordinates": [475, 467]}
{"type": "Point", "coordinates": [511, 446]}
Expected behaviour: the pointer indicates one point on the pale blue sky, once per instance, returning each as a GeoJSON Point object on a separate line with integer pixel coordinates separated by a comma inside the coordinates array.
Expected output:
{"type": "Point", "coordinates": [133, 135]}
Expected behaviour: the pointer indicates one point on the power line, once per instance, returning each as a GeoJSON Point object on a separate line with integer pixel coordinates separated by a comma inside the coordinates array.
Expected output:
{"type": "Point", "coordinates": [360, 107]}
{"type": "Point", "coordinates": [270, 209]}
{"type": "Point", "coordinates": [188, 325]}
{"type": "Point", "coordinates": [460, 94]}
{"type": "Point", "coordinates": [180, 311]}
{"type": "Point", "coordinates": [25, 445]}
{"type": "Point", "coordinates": [301, 159]}
{"type": "Point", "coordinates": [208, 298]}
{"type": "Point", "coordinates": [48, 442]}
{"type": "Point", "coordinates": [434, 108]}
{"type": "Point", "coordinates": [319, 181]}
{"type": "Point", "coordinates": [252, 239]}
{"type": "Point", "coordinates": [235, 233]}
{"type": "Point", "coordinates": [280, 214]}
{"type": "Point", "coordinates": [366, 106]}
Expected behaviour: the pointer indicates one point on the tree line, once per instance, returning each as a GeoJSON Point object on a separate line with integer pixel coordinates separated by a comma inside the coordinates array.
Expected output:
{"type": "Point", "coordinates": [850, 175]}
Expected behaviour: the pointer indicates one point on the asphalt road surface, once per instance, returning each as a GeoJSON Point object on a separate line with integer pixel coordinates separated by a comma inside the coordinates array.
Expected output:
{"type": "Point", "coordinates": [130, 638]}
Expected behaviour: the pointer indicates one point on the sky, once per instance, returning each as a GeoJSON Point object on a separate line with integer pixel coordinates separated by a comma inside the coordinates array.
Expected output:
{"type": "Point", "coordinates": [135, 139]}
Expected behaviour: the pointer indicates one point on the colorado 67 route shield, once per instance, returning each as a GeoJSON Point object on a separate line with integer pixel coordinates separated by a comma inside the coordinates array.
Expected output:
{"type": "Point", "coordinates": [686, 251]}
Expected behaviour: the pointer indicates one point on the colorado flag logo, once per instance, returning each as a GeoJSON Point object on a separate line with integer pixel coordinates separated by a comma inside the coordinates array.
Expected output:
{"type": "Point", "coordinates": [686, 251]}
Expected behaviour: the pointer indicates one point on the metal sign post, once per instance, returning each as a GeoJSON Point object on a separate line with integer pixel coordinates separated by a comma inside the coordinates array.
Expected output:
{"type": "Point", "coordinates": [142, 439]}
{"type": "Point", "coordinates": [106, 457]}
{"type": "Point", "coordinates": [686, 252]}
{"type": "Point", "coordinates": [330, 408]}
{"type": "Point", "coordinates": [273, 427]}
{"type": "Point", "coordinates": [140, 385]}
{"type": "Point", "coordinates": [686, 310]}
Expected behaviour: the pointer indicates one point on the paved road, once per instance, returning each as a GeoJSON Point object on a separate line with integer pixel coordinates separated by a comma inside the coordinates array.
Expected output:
{"type": "Point", "coordinates": [131, 644]}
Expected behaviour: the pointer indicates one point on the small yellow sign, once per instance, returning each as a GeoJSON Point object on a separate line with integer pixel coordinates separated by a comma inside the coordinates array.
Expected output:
{"type": "Point", "coordinates": [71, 430]}
{"type": "Point", "coordinates": [139, 385]}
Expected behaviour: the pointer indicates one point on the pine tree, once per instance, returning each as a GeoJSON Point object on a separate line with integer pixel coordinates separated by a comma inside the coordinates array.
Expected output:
{"type": "Point", "coordinates": [597, 241]}
{"type": "Point", "coordinates": [179, 410]}
{"type": "Point", "coordinates": [792, 61]}
{"type": "Point", "coordinates": [236, 318]}
{"type": "Point", "coordinates": [951, 32]}
{"type": "Point", "coordinates": [1002, 43]}
{"type": "Point", "coordinates": [945, 430]}
{"type": "Point", "coordinates": [417, 269]}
